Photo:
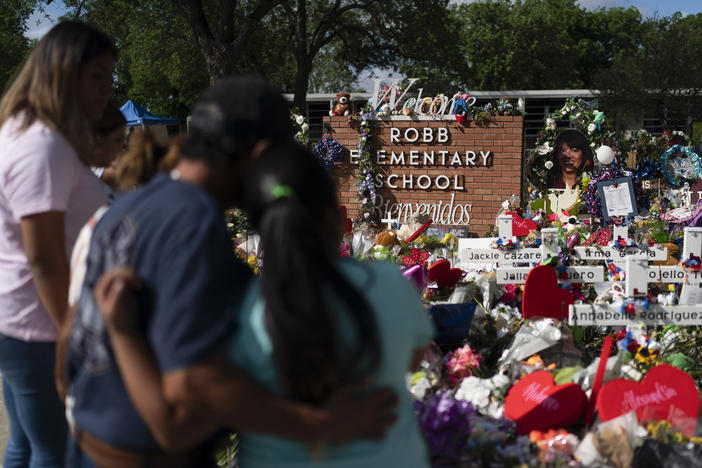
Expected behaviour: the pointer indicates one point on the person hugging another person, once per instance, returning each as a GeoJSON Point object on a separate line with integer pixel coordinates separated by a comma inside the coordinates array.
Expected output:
{"type": "Point", "coordinates": [313, 324]}
{"type": "Point", "coordinates": [47, 193]}
{"type": "Point", "coordinates": [572, 156]}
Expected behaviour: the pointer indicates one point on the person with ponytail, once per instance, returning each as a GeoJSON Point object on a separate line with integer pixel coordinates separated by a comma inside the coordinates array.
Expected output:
{"type": "Point", "coordinates": [47, 193]}
{"type": "Point", "coordinates": [315, 322]}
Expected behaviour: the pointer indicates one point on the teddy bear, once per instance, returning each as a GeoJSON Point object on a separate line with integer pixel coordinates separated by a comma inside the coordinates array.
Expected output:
{"type": "Point", "coordinates": [387, 238]}
{"type": "Point", "coordinates": [343, 104]}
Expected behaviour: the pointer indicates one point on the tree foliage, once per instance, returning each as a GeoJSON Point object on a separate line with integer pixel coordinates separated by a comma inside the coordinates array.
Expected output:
{"type": "Point", "coordinates": [171, 50]}
{"type": "Point", "coordinates": [15, 45]}
{"type": "Point", "coordinates": [542, 44]}
{"type": "Point", "coordinates": [661, 75]}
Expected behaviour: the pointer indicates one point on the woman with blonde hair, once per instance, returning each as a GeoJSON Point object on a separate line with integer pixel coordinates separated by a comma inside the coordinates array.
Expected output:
{"type": "Point", "coordinates": [47, 192]}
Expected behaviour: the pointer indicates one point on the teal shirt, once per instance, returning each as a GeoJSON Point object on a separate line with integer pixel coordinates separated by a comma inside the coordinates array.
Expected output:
{"type": "Point", "coordinates": [403, 326]}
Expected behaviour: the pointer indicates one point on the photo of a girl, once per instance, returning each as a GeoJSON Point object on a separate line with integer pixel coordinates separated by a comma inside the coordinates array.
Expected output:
{"type": "Point", "coordinates": [571, 156]}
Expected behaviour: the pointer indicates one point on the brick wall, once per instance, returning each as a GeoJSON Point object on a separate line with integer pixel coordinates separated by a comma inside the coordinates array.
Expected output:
{"type": "Point", "coordinates": [483, 187]}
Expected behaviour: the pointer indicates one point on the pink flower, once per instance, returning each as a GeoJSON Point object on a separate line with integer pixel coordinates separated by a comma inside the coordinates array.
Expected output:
{"type": "Point", "coordinates": [510, 293]}
{"type": "Point", "coordinates": [460, 364]}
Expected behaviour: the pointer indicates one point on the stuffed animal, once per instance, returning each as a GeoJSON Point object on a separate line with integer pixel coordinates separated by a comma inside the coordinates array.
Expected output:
{"type": "Point", "coordinates": [437, 104]}
{"type": "Point", "coordinates": [460, 108]}
{"type": "Point", "coordinates": [343, 104]}
{"type": "Point", "coordinates": [387, 238]}
{"type": "Point", "coordinates": [673, 255]}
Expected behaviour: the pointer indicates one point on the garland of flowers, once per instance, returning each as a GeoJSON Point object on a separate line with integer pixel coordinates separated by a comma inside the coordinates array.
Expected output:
{"type": "Point", "coordinates": [366, 168]}
{"type": "Point", "coordinates": [328, 151]}
{"type": "Point", "coordinates": [583, 117]}
{"type": "Point", "coordinates": [303, 133]}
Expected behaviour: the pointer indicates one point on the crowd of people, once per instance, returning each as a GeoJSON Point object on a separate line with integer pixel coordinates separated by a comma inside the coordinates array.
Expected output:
{"type": "Point", "coordinates": [131, 336]}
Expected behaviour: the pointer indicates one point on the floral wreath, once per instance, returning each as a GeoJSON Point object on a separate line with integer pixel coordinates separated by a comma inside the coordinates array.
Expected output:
{"type": "Point", "coordinates": [676, 181]}
{"type": "Point", "coordinates": [328, 151]}
{"type": "Point", "coordinates": [584, 117]}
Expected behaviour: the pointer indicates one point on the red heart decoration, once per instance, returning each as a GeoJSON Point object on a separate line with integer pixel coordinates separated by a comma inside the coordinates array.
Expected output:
{"type": "Point", "coordinates": [601, 237]}
{"type": "Point", "coordinates": [443, 274]}
{"type": "Point", "coordinates": [535, 402]}
{"type": "Point", "coordinates": [521, 227]}
{"type": "Point", "coordinates": [665, 393]}
{"type": "Point", "coordinates": [542, 297]}
{"type": "Point", "coordinates": [415, 257]}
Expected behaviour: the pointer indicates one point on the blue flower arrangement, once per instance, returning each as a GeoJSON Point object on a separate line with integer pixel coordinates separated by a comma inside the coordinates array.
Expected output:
{"type": "Point", "coordinates": [328, 151]}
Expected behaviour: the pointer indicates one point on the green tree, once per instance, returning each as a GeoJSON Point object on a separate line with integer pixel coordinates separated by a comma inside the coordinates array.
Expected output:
{"type": "Point", "coordinates": [15, 45]}
{"type": "Point", "coordinates": [542, 44]}
{"type": "Point", "coordinates": [427, 44]}
{"type": "Point", "coordinates": [159, 64]}
{"type": "Point", "coordinates": [662, 75]}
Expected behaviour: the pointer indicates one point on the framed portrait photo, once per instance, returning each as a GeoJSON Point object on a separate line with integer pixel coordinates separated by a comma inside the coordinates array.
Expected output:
{"type": "Point", "coordinates": [617, 198]}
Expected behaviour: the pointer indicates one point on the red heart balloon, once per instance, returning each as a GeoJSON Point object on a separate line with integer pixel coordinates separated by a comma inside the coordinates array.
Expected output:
{"type": "Point", "coordinates": [443, 274]}
{"type": "Point", "coordinates": [416, 257]}
{"type": "Point", "coordinates": [521, 227]}
{"type": "Point", "coordinates": [665, 393]}
{"type": "Point", "coordinates": [535, 402]}
{"type": "Point", "coordinates": [601, 237]}
{"type": "Point", "coordinates": [542, 297]}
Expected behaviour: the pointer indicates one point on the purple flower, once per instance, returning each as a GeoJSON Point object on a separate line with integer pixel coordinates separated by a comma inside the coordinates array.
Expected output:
{"type": "Point", "coordinates": [446, 424]}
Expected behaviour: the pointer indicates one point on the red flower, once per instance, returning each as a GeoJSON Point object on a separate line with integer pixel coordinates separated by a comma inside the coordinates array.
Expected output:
{"type": "Point", "coordinates": [632, 347]}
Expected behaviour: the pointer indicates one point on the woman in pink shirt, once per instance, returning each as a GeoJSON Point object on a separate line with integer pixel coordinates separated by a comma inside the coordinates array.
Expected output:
{"type": "Point", "coordinates": [47, 192]}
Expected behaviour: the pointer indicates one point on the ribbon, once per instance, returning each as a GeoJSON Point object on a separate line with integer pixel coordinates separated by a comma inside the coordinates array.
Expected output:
{"type": "Point", "coordinates": [647, 170]}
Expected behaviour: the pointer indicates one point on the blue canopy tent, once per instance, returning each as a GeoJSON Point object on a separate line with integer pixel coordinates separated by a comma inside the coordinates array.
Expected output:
{"type": "Point", "coordinates": [137, 115]}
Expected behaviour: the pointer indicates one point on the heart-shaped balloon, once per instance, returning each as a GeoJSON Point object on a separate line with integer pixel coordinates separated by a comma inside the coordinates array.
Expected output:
{"type": "Point", "coordinates": [600, 237]}
{"type": "Point", "coordinates": [666, 393]}
{"type": "Point", "coordinates": [443, 274]}
{"type": "Point", "coordinates": [536, 403]}
{"type": "Point", "coordinates": [542, 297]}
{"type": "Point", "coordinates": [416, 257]}
{"type": "Point", "coordinates": [521, 227]}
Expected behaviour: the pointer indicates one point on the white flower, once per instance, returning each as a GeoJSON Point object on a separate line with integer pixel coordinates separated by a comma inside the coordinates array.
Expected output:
{"type": "Point", "coordinates": [495, 409]}
{"type": "Point", "coordinates": [364, 201]}
{"type": "Point", "coordinates": [419, 389]}
{"type": "Point", "coordinates": [300, 120]}
{"type": "Point", "coordinates": [363, 138]}
{"type": "Point", "coordinates": [366, 215]}
{"type": "Point", "coordinates": [505, 205]}
{"type": "Point", "coordinates": [499, 381]}
{"type": "Point", "coordinates": [591, 128]}
{"type": "Point", "coordinates": [592, 145]}
{"type": "Point", "coordinates": [230, 225]}
{"type": "Point", "coordinates": [544, 148]}
{"type": "Point", "coordinates": [305, 127]}
{"type": "Point", "coordinates": [548, 165]}
{"type": "Point", "coordinates": [550, 123]}
{"type": "Point", "coordinates": [475, 390]}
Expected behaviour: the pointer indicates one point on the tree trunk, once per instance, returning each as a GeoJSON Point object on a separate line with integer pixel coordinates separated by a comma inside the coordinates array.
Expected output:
{"type": "Point", "coordinates": [221, 60]}
{"type": "Point", "coordinates": [304, 64]}
{"type": "Point", "coordinates": [302, 83]}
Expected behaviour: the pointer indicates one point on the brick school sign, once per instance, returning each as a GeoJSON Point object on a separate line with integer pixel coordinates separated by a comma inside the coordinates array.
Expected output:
{"type": "Point", "coordinates": [457, 174]}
